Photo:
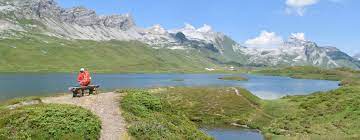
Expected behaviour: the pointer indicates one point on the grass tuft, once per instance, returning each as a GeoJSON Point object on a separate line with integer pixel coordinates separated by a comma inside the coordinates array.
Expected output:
{"type": "Point", "coordinates": [234, 78]}
{"type": "Point", "coordinates": [49, 121]}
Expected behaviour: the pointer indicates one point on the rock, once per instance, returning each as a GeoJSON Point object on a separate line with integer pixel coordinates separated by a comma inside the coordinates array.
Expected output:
{"type": "Point", "coordinates": [7, 25]}
{"type": "Point", "coordinates": [80, 16]}
{"type": "Point", "coordinates": [239, 125]}
{"type": "Point", "coordinates": [35, 9]}
{"type": "Point", "coordinates": [123, 22]}
{"type": "Point", "coordinates": [85, 17]}
{"type": "Point", "coordinates": [180, 37]}
{"type": "Point", "coordinates": [49, 9]}
{"type": "Point", "coordinates": [25, 103]}
{"type": "Point", "coordinates": [196, 119]}
{"type": "Point", "coordinates": [46, 9]}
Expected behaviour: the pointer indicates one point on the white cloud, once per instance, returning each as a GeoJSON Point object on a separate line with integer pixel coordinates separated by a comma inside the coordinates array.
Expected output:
{"type": "Point", "coordinates": [271, 39]}
{"type": "Point", "coordinates": [300, 3]}
{"type": "Point", "coordinates": [298, 6]}
{"type": "Point", "coordinates": [265, 39]}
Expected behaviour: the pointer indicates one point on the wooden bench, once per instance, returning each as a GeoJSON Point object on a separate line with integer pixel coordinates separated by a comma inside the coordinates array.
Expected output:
{"type": "Point", "coordinates": [80, 91]}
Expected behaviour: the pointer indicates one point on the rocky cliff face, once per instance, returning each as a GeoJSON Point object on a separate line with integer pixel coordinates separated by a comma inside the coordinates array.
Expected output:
{"type": "Point", "coordinates": [73, 23]}
{"type": "Point", "coordinates": [82, 23]}
{"type": "Point", "coordinates": [49, 9]}
{"type": "Point", "coordinates": [19, 18]}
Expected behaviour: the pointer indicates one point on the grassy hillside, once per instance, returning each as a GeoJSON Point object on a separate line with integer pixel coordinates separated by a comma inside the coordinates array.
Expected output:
{"type": "Point", "coordinates": [323, 115]}
{"type": "Point", "coordinates": [211, 107]}
{"type": "Point", "coordinates": [35, 53]}
{"type": "Point", "coordinates": [177, 113]}
{"type": "Point", "coordinates": [309, 72]}
{"type": "Point", "coordinates": [348, 77]}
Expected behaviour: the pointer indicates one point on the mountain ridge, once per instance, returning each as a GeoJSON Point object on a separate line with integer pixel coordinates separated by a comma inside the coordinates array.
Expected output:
{"type": "Point", "coordinates": [46, 17]}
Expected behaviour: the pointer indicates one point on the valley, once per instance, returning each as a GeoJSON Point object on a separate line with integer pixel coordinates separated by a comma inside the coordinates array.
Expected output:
{"type": "Point", "coordinates": [168, 82]}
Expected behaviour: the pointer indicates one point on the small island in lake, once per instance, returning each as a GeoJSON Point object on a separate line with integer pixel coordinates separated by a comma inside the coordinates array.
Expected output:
{"type": "Point", "coordinates": [234, 78]}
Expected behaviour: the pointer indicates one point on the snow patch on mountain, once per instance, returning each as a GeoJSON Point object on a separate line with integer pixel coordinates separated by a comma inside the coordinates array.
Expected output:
{"type": "Point", "coordinates": [204, 33]}
{"type": "Point", "coordinates": [296, 51]}
{"type": "Point", "coordinates": [205, 29]}
{"type": "Point", "coordinates": [298, 36]}
{"type": "Point", "coordinates": [81, 23]}
{"type": "Point", "coordinates": [85, 24]}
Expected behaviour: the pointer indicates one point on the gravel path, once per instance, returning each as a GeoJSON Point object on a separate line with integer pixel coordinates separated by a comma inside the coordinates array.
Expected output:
{"type": "Point", "coordinates": [105, 105]}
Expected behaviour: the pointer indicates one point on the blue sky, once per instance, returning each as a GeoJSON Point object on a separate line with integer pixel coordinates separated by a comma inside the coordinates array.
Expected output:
{"type": "Point", "coordinates": [327, 22]}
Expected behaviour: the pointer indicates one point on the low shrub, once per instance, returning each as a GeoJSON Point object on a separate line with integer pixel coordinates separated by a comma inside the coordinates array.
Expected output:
{"type": "Point", "coordinates": [49, 121]}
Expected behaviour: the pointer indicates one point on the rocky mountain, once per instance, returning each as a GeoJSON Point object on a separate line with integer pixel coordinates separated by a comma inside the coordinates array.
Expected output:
{"type": "Point", "coordinates": [21, 18]}
{"type": "Point", "coordinates": [73, 23]}
{"type": "Point", "coordinates": [85, 24]}
{"type": "Point", "coordinates": [298, 51]}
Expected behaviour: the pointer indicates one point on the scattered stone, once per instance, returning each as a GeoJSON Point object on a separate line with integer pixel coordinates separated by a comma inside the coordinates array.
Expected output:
{"type": "Point", "coordinates": [25, 103]}
{"type": "Point", "coordinates": [239, 125]}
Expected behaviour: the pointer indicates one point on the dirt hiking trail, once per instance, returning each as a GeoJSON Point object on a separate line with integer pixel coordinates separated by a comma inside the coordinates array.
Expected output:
{"type": "Point", "coordinates": [104, 105]}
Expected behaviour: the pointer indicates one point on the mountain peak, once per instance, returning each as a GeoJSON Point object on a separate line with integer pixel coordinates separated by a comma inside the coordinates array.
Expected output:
{"type": "Point", "coordinates": [189, 27]}
{"type": "Point", "coordinates": [298, 36]}
{"type": "Point", "coordinates": [299, 40]}
{"type": "Point", "coordinates": [205, 28]}
{"type": "Point", "coordinates": [157, 28]}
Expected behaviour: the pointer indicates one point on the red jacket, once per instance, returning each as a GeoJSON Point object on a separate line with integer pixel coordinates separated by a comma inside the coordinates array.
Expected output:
{"type": "Point", "coordinates": [84, 77]}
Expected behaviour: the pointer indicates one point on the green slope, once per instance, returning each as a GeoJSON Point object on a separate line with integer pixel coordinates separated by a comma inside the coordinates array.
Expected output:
{"type": "Point", "coordinates": [35, 53]}
{"type": "Point", "coordinates": [320, 116]}
{"type": "Point", "coordinates": [324, 115]}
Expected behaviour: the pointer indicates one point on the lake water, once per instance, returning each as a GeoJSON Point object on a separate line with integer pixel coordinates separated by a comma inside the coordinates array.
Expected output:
{"type": "Point", "coordinates": [265, 87]}
{"type": "Point", "coordinates": [234, 134]}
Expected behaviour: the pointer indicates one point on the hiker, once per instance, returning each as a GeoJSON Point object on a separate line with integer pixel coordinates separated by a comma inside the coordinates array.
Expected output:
{"type": "Point", "coordinates": [84, 78]}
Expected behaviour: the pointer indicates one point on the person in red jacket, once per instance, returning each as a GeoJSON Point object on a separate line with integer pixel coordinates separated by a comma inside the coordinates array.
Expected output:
{"type": "Point", "coordinates": [84, 78]}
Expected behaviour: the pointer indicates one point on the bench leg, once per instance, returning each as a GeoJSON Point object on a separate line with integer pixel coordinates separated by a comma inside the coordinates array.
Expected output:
{"type": "Point", "coordinates": [78, 93]}
{"type": "Point", "coordinates": [82, 92]}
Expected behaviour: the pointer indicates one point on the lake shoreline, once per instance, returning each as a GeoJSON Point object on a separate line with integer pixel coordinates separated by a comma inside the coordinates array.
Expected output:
{"type": "Point", "coordinates": [48, 83]}
{"type": "Point", "coordinates": [270, 115]}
